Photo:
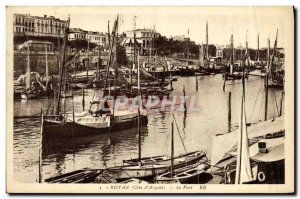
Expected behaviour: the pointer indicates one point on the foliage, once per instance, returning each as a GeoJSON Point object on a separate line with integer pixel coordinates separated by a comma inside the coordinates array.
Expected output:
{"type": "Point", "coordinates": [166, 46]}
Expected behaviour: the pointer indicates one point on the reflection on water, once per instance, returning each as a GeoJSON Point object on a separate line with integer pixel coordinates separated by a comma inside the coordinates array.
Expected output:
{"type": "Point", "coordinates": [98, 151]}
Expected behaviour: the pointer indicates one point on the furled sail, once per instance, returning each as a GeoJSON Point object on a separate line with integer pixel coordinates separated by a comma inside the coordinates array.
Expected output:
{"type": "Point", "coordinates": [243, 167]}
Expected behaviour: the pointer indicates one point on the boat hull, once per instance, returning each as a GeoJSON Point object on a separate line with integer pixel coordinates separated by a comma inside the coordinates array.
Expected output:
{"type": "Point", "coordinates": [61, 128]}
{"type": "Point", "coordinates": [122, 173]}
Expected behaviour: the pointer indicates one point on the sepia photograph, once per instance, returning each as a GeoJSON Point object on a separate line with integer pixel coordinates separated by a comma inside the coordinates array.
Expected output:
{"type": "Point", "coordinates": [157, 99]}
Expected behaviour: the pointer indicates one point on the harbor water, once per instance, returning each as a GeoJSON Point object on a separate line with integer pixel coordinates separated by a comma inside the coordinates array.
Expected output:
{"type": "Point", "coordinates": [62, 155]}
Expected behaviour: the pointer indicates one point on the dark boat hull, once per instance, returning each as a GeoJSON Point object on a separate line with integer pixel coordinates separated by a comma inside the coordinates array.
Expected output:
{"type": "Point", "coordinates": [73, 129]}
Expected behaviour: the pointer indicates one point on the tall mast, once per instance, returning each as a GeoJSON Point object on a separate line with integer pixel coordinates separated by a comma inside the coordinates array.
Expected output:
{"type": "Point", "coordinates": [151, 43]}
{"type": "Point", "coordinates": [188, 41]}
{"type": "Point", "coordinates": [47, 69]}
{"type": "Point", "coordinates": [258, 47]}
{"type": "Point", "coordinates": [88, 59]}
{"type": "Point", "coordinates": [246, 53]}
{"type": "Point", "coordinates": [108, 33]}
{"type": "Point", "coordinates": [232, 50]}
{"type": "Point", "coordinates": [112, 42]}
{"type": "Point", "coordinates": [206, 41]}
{"type": "Point", "coordinates": [62, 61]}
{"type": "Point", "coordinates": [232, 54]}
{"type": "Point", "coordinates": [267, 81]}
{"type": "Point", "coordinates": [28, 69]}
{"type": "Point", "coordinates": [134, 49]}
{"type": "Point", "coordinates": [139, 98]}
{"type": "Point", "coordinates": [274, 51]}
{"type": "Point", "coordinates": [98, 64]}
{"type": "Point", "coordinates": [115, 65]}
{"type": "Point", "coordinates": [172, 150]}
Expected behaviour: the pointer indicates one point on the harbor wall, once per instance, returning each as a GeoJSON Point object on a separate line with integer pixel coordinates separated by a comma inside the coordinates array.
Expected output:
{"type": "Point", "coordinates": [37, 62]}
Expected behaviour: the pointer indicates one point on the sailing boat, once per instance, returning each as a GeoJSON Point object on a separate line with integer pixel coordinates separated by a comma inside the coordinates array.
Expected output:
{"type": "Point", "coordinates": [74, 124]}
{"type": "Point", "coordinates": [232, 75]}
{"type": "Point", "coordinates": [96, 120]}
{"type": "Point", "coordinates": [187, 70]}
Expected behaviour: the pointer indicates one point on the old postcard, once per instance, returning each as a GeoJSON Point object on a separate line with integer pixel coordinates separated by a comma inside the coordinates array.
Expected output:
{"type": "Point", "coordinates": [150, 99]}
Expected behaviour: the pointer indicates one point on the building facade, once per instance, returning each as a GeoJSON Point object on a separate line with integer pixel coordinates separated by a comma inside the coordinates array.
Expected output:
{"type": "Point", "coordinates": [36, 45]}
{"type": "Point", "coordinates": [77, 34]}
{"type": "Point", "coordinates": [98, 38]}
{"type": "Point", "coordinates": [27, 25]}
{"type": "Point", "coordinates": [144, 38]}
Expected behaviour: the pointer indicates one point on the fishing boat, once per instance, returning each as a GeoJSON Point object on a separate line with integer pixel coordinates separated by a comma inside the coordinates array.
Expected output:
{"type": "Point", "coordinates": [232, 75]}
{"type": "Point", "coordinates": [103, 116]}
{"type": "Point", "coordinates": [184, 174]}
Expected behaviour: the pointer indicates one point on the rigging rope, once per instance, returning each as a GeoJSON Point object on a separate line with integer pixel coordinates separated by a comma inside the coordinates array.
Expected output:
{"type": "Point", "coordinates": [255, 103]}
{"type": "Point", "coordinates": [274, 99]}
{"type": "Point", "coordinates": [179, 134]}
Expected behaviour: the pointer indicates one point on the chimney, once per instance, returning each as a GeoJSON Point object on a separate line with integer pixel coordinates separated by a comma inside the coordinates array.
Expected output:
{"type": "Point", "coordinates": [262, 147]}
{"type": "Point", "coordinates": [45, 16]}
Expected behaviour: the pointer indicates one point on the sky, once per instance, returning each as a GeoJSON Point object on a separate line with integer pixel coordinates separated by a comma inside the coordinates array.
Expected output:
{"type": "Point", "coordinates": [172, 21]}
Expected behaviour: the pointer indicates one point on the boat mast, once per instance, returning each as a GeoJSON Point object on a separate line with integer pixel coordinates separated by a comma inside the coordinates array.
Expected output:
{"type": "Point", "coordinates": [28, 69]}
{"type": "Point", "coordinates": [267, 81]}
{"type": "Point", "coordinates": [115, 65]}
{"type": "Point", "coordinates": [151, 42]}
{"type": "Point", "coordinates": [88, 59]}
{"type": "Point", "coordinates": [172, 150]}
{"type": "Point", "coordinates": [62, 61]}
{"type": "Point", "coordinates": [273, 53]}
{"type": "Point", "coordinates": [47, 69]}
{"type": "Point", "coordinates": [98, 65]}
{"type": "Point", "coordinates": [134, 49]}
{"type": "Point", "coordinates": [232, 54]}
{"type": "Point", "coordinates": [139, 99]}
{"type": "Point", "coordinates": [188, 41]}
{"type": "Point", "coordinates": [206, 41]}
{"type": "Point", "coordinates": [246, 53]}
{"type": "Point", "coordinates": [258, 47]}
{"type": "Point", "coordinates": [110, 52]}
{"type": "Point", "coordinates": [108, 33]}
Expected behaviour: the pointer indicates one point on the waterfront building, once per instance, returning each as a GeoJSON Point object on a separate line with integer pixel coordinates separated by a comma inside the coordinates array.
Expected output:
{"type": "Point", "coordinates": [98, 38]}
{"type": "Point", "coordinates": [144, 38]}
{"type": "Point", "coordinates": [36, 45]}
{"type": "Point", "coordinates": [27, 25]}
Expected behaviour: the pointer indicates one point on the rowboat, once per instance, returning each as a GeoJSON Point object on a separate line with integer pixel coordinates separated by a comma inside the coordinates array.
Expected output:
{"type": "Point", "coordinates": [191, 174]}
{"type": "Point", "coordinates": [186, 159]}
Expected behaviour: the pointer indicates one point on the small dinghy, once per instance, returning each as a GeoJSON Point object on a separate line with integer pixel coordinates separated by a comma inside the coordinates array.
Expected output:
{"type": "Point", "coordinates": [192, 174]}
